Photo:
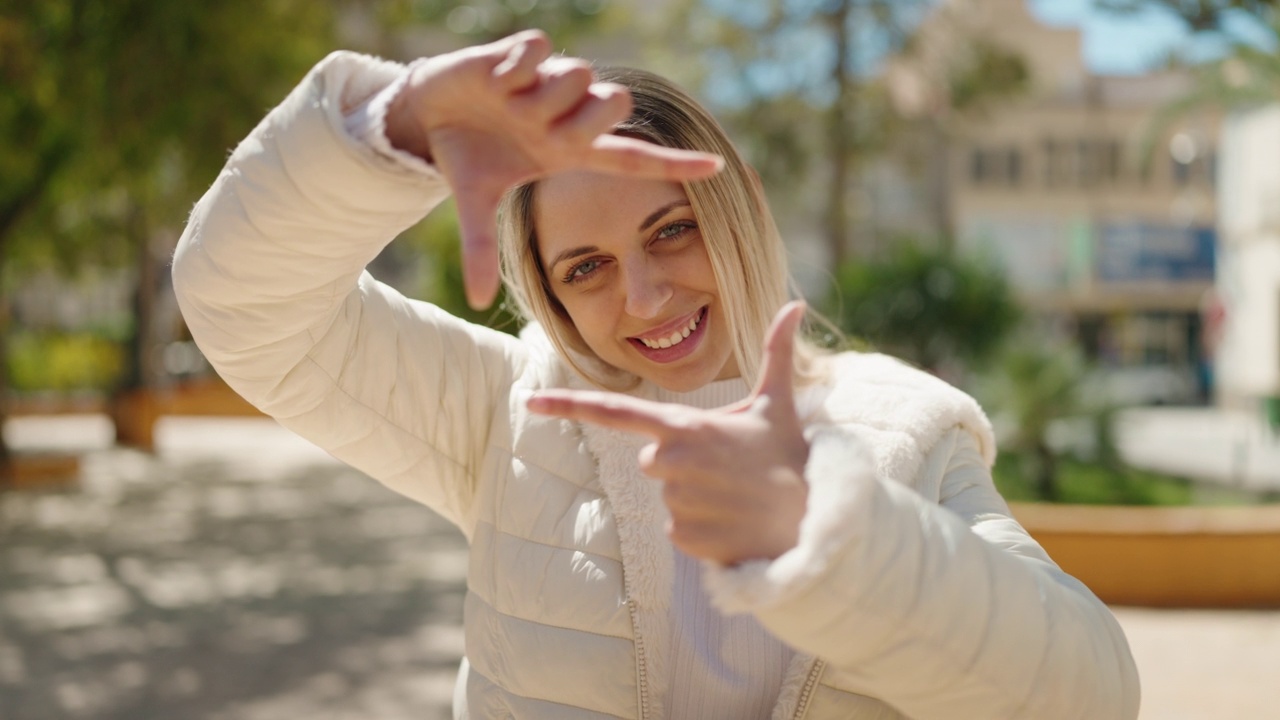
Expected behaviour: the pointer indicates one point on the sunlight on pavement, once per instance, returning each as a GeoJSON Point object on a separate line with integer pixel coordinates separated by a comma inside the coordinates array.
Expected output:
{"type": "Point", "coordinates": [238, 573]}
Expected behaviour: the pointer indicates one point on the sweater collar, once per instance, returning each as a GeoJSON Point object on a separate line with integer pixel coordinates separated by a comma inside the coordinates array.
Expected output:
{"type": "Point", "coordinates": [712, 395]}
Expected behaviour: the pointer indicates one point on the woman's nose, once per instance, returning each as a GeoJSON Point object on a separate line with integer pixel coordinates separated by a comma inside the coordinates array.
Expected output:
{"type": "Point", "coordinates": [647, 289]}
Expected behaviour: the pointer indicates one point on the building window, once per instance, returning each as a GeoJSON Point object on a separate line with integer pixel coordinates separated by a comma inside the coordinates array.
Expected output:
{"type": "Point", "coordinates": [978, 166]}
{"type": "Point", "coordinates": [1085, 176]}
{"type": "Point", "coordinates": [1181, 172]}
{"type": "Point", "coordinates": [1051, 171]}
{"type": "Point", "coordinates": [995, 167]}
{"type": "Point", "coordinates": [1014, 168]}
{"type": "Point", "coordinates": [1082, 163]}
{"type": "Point", "coordinates": [1111, 159]}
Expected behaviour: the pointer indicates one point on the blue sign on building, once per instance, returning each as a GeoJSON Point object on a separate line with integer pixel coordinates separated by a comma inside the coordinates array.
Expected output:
{"type": "Point", "coordinates": [1129, 252]}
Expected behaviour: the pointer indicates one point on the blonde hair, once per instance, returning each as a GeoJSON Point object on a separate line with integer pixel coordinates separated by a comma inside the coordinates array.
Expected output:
{"type": "Point", "coordinates": [742, 241]}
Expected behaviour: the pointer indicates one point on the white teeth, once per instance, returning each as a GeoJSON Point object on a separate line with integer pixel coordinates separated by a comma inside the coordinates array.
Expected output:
{"type": "Point", "coordinates": [676, 337]}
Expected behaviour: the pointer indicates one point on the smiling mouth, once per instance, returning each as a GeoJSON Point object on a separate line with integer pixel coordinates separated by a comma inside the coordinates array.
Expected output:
{"type": "Point", "coordinates": [677, 336]}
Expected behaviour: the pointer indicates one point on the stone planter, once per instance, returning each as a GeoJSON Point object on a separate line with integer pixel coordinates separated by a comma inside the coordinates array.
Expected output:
{"type": "Point", "coordinates": [1165, 556]}
{"type": "Point", "coordinates": [32, 471]}
{"type": "Point", "coordinates": [135, 413]}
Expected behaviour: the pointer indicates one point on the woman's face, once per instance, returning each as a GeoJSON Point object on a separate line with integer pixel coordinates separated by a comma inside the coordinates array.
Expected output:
{"type": "Point", "coordinates": [625, 258]}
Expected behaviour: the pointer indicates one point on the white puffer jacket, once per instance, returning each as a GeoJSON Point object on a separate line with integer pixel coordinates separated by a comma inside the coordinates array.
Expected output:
{"type": "Point", "coordinates": [913, 593]}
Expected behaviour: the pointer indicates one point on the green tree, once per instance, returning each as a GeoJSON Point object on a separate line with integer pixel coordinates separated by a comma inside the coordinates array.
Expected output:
{"type": "Point", "coordinates": [803, 87]}
{"type": "Point", "coordinates": [117, 113]}
{"type": "Point", "coordinates": [1245, 72]}
{"type": "Point", "coordinates": [478, 21]}
{"type": "Point", "coordinates": [927, 305]}
{"type": "Point", "coordinates": [955, 85]}
{"type": "Point", "coordinates": [795, 84]}
{"type": "Point", "coordinates": [435, 243]}
{"type": "Point", "coordinates": [1032, 387]}
{"type": "Point", "coordinates": [1198, 15]}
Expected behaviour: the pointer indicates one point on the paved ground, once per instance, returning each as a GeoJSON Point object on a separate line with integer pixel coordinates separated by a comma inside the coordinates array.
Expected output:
{"type": "Point", "coordinates": [241, 574]}
{"type": "Point", "coordinates": [270, 584]}
{"type": "Point", "coordinates": [1206, 664]}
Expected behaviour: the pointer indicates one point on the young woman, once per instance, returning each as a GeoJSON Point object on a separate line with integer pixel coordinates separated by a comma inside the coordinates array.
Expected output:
{"type": "Point", "coordinates": [665, 521]}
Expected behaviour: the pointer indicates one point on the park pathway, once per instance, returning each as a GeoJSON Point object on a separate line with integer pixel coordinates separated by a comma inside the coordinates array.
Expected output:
{"type": "Point", "coordinates": [242, 574]}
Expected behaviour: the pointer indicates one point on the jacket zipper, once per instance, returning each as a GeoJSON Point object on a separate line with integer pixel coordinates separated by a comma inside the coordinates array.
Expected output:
{"type": "Point", "coordinates": [642, 680]}
{"type": "Point", "coordinates": [806, 693]}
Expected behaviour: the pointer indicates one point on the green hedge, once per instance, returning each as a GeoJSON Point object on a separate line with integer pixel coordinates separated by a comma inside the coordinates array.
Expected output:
{"type": "Point", "coordinates": [58, 361]}
{"type": "Point", "coordinates": [1087, 483]}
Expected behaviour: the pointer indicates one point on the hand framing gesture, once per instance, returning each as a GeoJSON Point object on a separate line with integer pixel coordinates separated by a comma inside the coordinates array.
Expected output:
{"type": "Point", "coordinates": [733, 478]}
{"type": "Point", "coordinates": [494, 116]}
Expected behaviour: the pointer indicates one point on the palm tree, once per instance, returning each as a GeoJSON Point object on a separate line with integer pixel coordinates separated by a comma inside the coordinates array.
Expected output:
{"type": "Point", "coordinates": [1247, 75]}
{"type": "Point", "coordinates": [1033, 386]}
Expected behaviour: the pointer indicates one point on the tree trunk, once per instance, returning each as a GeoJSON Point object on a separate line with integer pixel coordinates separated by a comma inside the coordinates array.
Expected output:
{"type": "Point", "coordinates": [1046, 473]}
{"type": "Point", "coordinates": [6, 457]}
{"type": "Point", "coordinates": [940, 184]}
{"type": "Point", "coordinates": [140, 375]}
{"type": "Point", "coordinates": [839, 138]}
{"type": "Point", "coordinates": [12, 211]}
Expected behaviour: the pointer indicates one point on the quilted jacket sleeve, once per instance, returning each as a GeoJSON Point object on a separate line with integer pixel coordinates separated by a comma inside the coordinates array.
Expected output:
{"type": "Point", "coordinates": [270, 279]}
{"type": "Point", "coordinates": [945, 610]}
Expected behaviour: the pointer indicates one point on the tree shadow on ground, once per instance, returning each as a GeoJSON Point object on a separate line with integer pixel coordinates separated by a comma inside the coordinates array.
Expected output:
{"type": "Point", "coordinates": [161, 589]}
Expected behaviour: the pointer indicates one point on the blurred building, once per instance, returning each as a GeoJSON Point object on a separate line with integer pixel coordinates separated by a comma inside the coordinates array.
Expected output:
{"type": "Point", "coordinates": [1098, 221]}
{"type": "Point", "coordinates": [1247, 303]}
{"type": "Point", "coordinates": [1098, 225]}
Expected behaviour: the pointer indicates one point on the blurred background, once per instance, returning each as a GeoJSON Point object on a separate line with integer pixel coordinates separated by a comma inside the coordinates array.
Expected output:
{"type": "Point", "coordinates": [1069, 208]}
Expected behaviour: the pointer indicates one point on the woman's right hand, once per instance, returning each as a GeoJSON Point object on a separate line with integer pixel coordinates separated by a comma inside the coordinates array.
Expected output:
{"type": "Point", "coordinates": [494, 116]}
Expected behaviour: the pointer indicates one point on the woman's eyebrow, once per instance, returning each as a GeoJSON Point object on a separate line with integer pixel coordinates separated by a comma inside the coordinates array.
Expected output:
{"type": "Point", "coordinates": [653, 217]}
{"type": "Point", "coordinates": [657, 214]}
{"type": "Point", "coordinates": [571, 253]}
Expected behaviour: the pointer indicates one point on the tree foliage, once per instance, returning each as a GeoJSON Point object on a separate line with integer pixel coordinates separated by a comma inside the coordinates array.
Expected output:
{"type": "Point", "coordinates": [111, 104]}
{"type": "Point", "coordinates": [926, 305]}
{"type": "Point", "coordinates": [802, 86]}
{"type": "Point", "coordinates": [986, 74]}
{"type": "Point", "coordinates": [795, 83]}
{"type": "Point", "coordinates": [1199, 15]}
{"type": "Point", "coordinates": [1246, 73]}
{"type": "Point", "coordinates": [478, 21]}
{"type": "Point", "coordinates": [116, 114]}
{"type": "Point", "coordinates": [1034, 386]}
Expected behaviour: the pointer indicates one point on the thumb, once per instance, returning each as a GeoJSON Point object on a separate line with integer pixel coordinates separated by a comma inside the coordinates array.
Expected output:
{"type": "Point", "coordinates": [477, 208]}
{"type": "Point", "coordinates": [778, 367]}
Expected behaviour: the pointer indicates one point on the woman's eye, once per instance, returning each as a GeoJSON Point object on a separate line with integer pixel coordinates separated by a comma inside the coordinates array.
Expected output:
{"type": "Point", "coordinates": [675, 229]}
{"type": "Point", "coordinates": [581, 271]}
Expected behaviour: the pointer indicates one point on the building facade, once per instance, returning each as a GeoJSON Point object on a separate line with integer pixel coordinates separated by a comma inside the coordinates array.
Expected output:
{"type": "Point", "coordinates": [1247, 321]}
{"type": "Point", "coordinates": [1100, 217]}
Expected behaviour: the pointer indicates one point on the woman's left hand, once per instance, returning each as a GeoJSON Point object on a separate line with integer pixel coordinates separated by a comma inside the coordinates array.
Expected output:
{"type": "Point", "coordinates": [733, 478]}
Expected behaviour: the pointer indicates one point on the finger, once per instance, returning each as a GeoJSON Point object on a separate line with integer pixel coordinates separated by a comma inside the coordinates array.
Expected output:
{"type": "Point", "coordinates": [522, 53]}
{"type": "Point", "coordinates": [699, 539]}
{"type": "Point", "coordinates": [605, 105]}
{"type": "Point", "coordinates": [621, 412]}
{"type": "Point", "coordinates": [647, 459]}
{"type": "Point", "coordinates": [619, 155]}
{"type": "Point", "coordinates": [777, 371]}
{"type": "Point", "coordinates": [562, 87]}
{"type": "Point", "coordinates": [477, 208]}
{"type": "Point", "coordinates": [692, 501]}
